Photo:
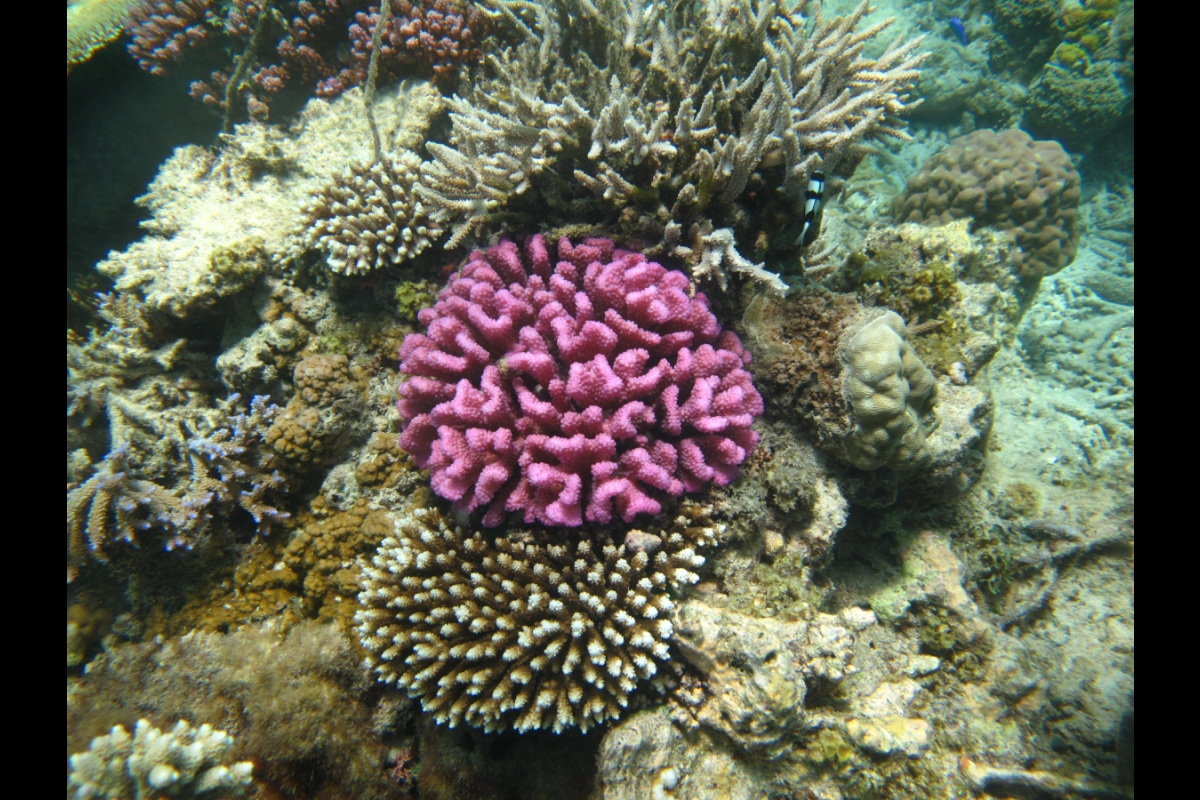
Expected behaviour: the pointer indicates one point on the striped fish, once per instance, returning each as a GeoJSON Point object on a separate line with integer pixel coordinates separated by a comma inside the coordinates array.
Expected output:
{"type": "Point", "coordinates": [814, 204]}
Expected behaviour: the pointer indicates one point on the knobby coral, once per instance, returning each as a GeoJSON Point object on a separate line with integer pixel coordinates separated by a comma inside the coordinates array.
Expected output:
{"type": "Point", "coordinates": [559, 390]}
{"type": "Point", "coordinates": [521, 631]}
{"type": "Point", "coordinates": [1028, 189]}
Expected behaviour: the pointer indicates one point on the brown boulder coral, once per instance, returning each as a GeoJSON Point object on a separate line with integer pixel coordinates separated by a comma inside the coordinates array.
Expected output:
{"type": "Point", "coordinates": [1028, 189]}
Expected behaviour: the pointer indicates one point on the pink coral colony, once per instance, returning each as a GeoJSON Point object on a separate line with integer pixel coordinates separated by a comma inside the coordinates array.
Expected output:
{"type": "Point", "coordinates": [567, 390]}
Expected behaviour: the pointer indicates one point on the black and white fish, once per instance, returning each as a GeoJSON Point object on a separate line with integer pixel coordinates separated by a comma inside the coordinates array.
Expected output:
{"type": "Point", "coordinates": [814, 204]}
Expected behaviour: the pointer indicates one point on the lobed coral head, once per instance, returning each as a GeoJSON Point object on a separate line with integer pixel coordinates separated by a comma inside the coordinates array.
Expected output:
{"type": "Point", "coordinates": [594, 385]}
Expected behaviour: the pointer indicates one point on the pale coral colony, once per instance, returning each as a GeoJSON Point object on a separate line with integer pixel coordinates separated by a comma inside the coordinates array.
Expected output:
{"type": "Point", "coordinates": [661, 368]}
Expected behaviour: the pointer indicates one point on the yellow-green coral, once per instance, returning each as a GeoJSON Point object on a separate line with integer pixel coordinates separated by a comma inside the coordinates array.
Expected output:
{"type": "Point", "coordinates": [91, 24]}
{"type": "Point", "coordinates": [412, 296]}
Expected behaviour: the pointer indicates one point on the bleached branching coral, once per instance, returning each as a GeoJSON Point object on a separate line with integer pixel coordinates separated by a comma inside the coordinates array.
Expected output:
{"type": "Point", "coordinates": [368, 217]}
{"type": "Point", "coordinates": [522, 631]}
{"type": "Point", "coordinates": [670, 110]}
{"type": "Point", "coordinates": [182, 762]}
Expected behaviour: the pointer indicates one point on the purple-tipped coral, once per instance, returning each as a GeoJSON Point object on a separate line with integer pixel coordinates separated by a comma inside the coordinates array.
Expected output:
{"type": "Point", "coordinates": [561, 390]}
{"type": "Point", "coordinates": [163, 30]}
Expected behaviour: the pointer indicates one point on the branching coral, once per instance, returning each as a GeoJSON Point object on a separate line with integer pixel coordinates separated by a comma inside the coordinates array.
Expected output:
{"type": "Point", "coordinates": [441, 37]}
{"type": "Point", "coordinates": [369, 217]}
{"type": "Point", "coordinates": [669, 110]}
{"type": "Point", "coordinates": [521, 631]}
{"type": "Point", "coordinates": [162, 31]}
{"type": "Point", "coordinates": [1028, 189]}
{"type": "Point", "coordinates": [184, 762]}
{"type": "Point", "coordinates": [326, 44]}
{"type": "Point", "coordinates": [298, 705]}
{"type": "Point", "coordinates": [561, 391]}
{"type": "Point", "coordinates": [174, 470]}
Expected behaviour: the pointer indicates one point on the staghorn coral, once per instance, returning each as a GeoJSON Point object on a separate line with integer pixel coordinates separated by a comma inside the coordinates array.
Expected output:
{"type": "Point", "coordinates": [890, 394]}
{"type": "Point", "coordinates": [624, 100]}
{"type": "Point", "coordinates": [368, 217]}
{"type": "Point", "coordinates": [173, 470]}
{"type": "Point", "coordinates": [184, 762]}
{"type": "Point", "coordinates": [1025, 188]}
{"type": "Point", "coordinates": [521, 631]}
{"type": "Point", "coordinates": [522, 399]}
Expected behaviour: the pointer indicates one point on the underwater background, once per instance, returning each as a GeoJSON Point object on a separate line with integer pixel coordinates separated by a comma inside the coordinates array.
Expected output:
{"type": "Point", "coordinates": [600, 399]}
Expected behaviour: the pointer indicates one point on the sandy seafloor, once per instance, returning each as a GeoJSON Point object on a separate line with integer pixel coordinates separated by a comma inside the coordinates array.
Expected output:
{"type": "Point", "coordinates": [957, 625]}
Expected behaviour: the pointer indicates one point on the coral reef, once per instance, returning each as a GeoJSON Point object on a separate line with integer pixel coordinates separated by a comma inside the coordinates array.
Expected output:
{"type": "Point", "coordinates": [550, 390]}
{"type": "Point", "coordinates": [785, 98]}
{"type": "Point", "coordinates": [184, 762]}
{"type": "Point", "coordinates": [220, 221]}
{"type": "Point", "coordinates": [890, 393]}
{"type": "Point", "coordinates": [302, 707]}
{"type": "Point", "coordinates": [1028, 189]}
{"type": "Point", "coordinates": [522, 631]}
{"type": "Point", "coordinates": [369, 216]}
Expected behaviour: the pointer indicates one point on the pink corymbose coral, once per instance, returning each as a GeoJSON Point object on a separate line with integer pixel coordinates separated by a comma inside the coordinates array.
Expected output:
{"type": "Point", "coordinates": [561, 389]}
{"type": "Point", "coordinates": [162, 31]}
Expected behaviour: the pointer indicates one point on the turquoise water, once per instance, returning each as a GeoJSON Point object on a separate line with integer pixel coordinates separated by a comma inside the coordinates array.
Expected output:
{"type": "Point", "coordinates": [876, 541]}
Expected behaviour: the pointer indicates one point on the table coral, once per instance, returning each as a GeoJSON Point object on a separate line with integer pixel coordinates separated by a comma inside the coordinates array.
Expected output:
{"type": "Point", "coordinates": [1028, 189]}
{"type": "Point", "coordinates": [523, 631]}
{"type": "Point", "coordinates": [561, 390]}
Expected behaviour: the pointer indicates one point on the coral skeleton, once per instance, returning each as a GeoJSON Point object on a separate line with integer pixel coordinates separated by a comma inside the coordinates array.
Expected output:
{"type": "Point", "coordinates": [523, 631]}
{"type": "Point", "coordinates": [182, 762]}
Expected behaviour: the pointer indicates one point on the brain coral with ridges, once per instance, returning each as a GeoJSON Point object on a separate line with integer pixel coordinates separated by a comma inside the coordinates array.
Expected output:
{"type": "Point", "coordinates": [570, 389]}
